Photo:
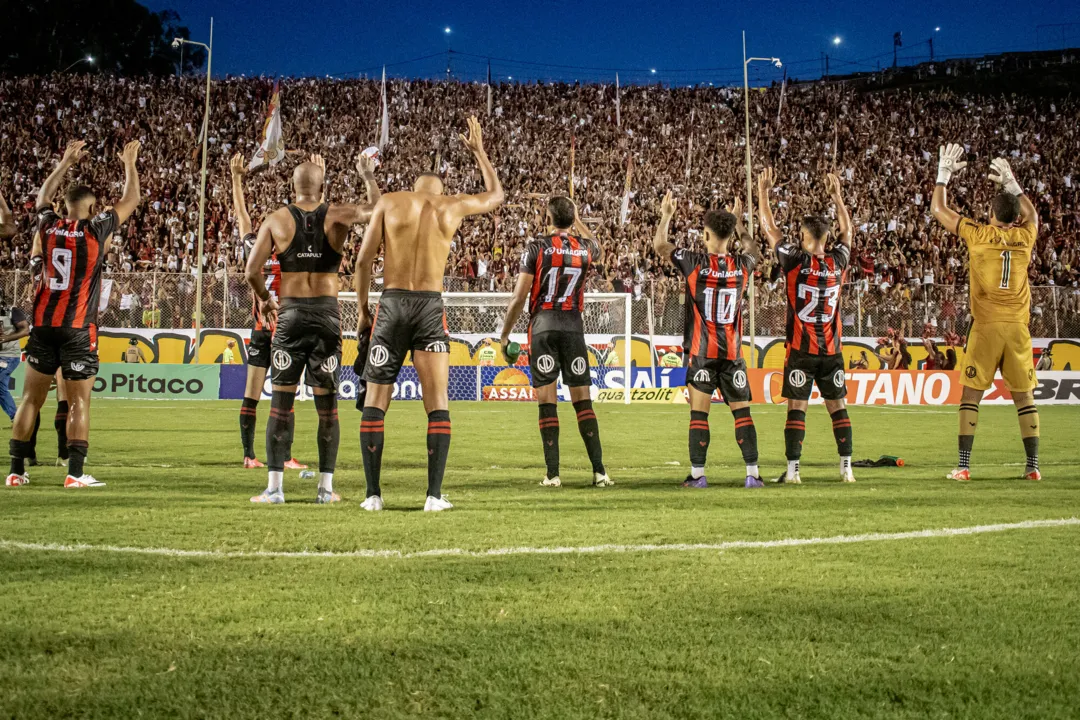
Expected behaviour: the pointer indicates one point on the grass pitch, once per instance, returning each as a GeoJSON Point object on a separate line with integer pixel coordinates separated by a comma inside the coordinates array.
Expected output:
{"type": "Point", "coordinates": [983, 625]}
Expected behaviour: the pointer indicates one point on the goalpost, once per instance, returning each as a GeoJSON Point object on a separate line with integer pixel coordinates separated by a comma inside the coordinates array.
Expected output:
{"type": "Point", "coordinates": [474, 317]}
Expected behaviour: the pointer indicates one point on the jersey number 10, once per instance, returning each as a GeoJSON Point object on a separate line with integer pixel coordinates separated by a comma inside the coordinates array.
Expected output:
{"type": "Point", "coordinates": [720, 305]}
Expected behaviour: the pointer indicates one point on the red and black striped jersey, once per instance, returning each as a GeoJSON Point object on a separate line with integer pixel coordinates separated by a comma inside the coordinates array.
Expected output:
{"type": "Point", "coordinates": [272, 277]}
{"type": "Point", "coordinates": [714, 302]}
{"type": "Point", "coordinates": [559, 265]}
{"type": "Point", "coordinates": [813, 294]}
{"type": "Point", "coordinates": [73, 252]}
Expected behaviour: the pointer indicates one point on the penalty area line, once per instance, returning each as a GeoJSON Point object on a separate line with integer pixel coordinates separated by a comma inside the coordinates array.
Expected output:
{"type": "Point", "coordinates": [567, 550]}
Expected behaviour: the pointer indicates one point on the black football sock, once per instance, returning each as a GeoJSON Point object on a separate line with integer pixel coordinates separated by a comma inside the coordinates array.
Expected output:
{"type": "Point", "coordinates": [279, 431]}
{"type": "Point", "coordinates": [329, 432]}
{"type": "Point", "coordinates": [969, 423]}
{"type": "Point", "coordinates": [60, 424]}
{"type": "Point", "coordinates": [77, 450]}
{"type": "Point", "coordinates": [794, 434]}
{"type": "Point", "coordinates": [841, 428]}
{"type": "Point", "coordinates": [549, 435]}
{"type": "Point", "coordinates": [590, 433]}
{"type": "Point", "coordinates": [1029, 431]}
{"type": "Point", "coordinates": [746, 436]}
{"type": "Point", "coordinates": [247, 427]}
{"type": "Point", "coordinates": [438, 447]}
{"type": "Point", "coordinates": [371, 447]}
{"type": "Point", "coordinates": [19, 450]}
{"type": "Point", "coordinates": [31, 450]}
{"type": "Point", "coordinates": [699, 441]}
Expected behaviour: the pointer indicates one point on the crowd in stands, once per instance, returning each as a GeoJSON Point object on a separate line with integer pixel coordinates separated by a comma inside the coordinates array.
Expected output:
{"type": "Point", "coordinates": [882, 144]}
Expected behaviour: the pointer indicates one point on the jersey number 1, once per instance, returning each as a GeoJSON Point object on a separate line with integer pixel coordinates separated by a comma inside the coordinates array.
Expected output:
{"type": "Point", "coordinates": [61, 262]}
{"type": "Point", "coordinates": [1006, 268]}
{"type": "Point", "coordinates": [573, 273]}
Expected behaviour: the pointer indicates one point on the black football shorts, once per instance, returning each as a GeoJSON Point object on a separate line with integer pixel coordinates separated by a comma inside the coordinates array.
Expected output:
{"type": "Point", "coordinates": [307, 337]}
{"type": "Point", "coordinates": [259, 348]}
{"type": "Point", "coordinates": [802, 370]}
{"type": "Point", "coordinates": [72, 350]}
{"type": "Point", "coordinates": [707, 374]}
{"type": "Point", "coordinates": [405, 320]}
{"type": "Point", "coordinates": [558, 351]}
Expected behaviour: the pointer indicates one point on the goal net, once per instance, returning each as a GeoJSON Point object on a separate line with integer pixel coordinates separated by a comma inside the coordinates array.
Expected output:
{"type": "Point", "coordinates": [478, 370]}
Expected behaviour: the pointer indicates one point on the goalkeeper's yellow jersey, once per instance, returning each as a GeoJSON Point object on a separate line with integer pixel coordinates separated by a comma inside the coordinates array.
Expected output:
{"type": "Point", "coordinates": [998, 260]}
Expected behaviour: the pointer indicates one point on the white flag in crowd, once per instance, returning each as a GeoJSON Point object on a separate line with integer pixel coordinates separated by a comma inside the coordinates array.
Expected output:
{"type": "Point", "coordinates": [384, 120]}
{"type": "Point", "coordinates": [618, 110]}
{"type": "Point", "coordinates": [272, 149]}
{"type": "Point", "coordinates": [103, 297]}
{"type": "Point", "coordinates": [624, 211]}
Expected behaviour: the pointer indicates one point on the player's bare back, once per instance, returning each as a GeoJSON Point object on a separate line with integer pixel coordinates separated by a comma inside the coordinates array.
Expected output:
{"type": "Point", "coordinates": [418, 228]}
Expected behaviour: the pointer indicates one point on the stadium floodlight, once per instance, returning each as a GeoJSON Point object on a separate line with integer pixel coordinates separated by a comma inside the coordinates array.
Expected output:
{"type": "Point", "coordinates": [749, 183]}
{"type": "Point", "coordinates": [937, 29]}
{"type": "Point", "coordinates": [177, 42]}
{"type": "Point", "coordinates": [836, 40]}
{"type": "Point", "coordinates": [447, 30]}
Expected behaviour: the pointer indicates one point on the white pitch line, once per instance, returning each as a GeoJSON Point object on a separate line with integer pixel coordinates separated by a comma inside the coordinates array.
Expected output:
{"type": "Point", "coordinates": [571, 550]}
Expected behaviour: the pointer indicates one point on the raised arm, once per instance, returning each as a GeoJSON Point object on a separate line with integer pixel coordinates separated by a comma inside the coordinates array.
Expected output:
{"type": "Point", "coordinates": [132, 196]}
{"type": "Point", "coordinates": [487, 201]}
{"type": "Point", "coordinates": [354, 214]}
{"type": "Point", "coordinates": [766, 181]}
{"type": "Point", "coordinates": [237, 168]}
{"type": "Point", "coordinates": [832, 182]}
{"type": "Point", "coordinates": [72, 155]}
{"type": "Point", "coordinates": [369, 251]}
{"type": "Point", "coordinates": [949, 162]}
{"type": "Point", "coordinates": [1002, 174]}
{"type": "Point", "coordinates": [7, 219]}
{"type": "Point", "coordinates": [253, 271]}
{"type": "Point", "coordinates": [661, 245]}
{"type": "Point", "coordinates": [747, 244]}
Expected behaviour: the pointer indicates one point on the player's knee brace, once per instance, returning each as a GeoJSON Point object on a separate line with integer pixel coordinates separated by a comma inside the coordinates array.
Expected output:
{"type": "Point", "coordinates": [371, 447]}
{"type": "Point", "coordinates": [841, 428]}
{"type": "Point", "coordinates": [329, 436]}
{"type": "Point", "coordinates": [794, 433]}
{"type": "Point", "coordinates": [279, 431]}
{"type": "Point", "coordinates": [438, 444]}
{"type": "Point", "coordinates": [699, 438]}
{"type": "Point", "coordinates": [746, 435]}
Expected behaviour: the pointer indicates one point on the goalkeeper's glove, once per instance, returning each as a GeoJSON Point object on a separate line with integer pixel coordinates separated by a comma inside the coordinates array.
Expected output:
{"type": "Point", "coordinates": [949, 162]}
{"type": "Point", "coordinates": [1002, 174]}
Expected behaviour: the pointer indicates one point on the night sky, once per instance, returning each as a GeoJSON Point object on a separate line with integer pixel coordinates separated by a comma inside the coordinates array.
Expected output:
{"type": "Point", "coordinates": [685, 42]}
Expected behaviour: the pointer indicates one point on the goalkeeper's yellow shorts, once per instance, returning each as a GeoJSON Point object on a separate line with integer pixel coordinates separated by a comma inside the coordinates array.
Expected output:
{"type": "Point", "coordinates": [1004, 346]}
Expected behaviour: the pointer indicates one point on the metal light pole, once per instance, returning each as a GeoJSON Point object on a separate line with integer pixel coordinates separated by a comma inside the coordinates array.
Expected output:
{"type": "Point", "coordinates": [202, 186]}
{"type": "Point", "coordinates": [750, 185]}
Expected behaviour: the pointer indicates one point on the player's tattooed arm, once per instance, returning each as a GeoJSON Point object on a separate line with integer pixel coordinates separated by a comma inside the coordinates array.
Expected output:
{"type": "Point", "coordinates": [7, 219]}
{"type": "Point", "coordinates": [843, 217]}
{"type": "Point", "coordinates": [766, 181]}
{"type": "Point", "coordinates": [253, 271]}
{"type": "Point", "coordinates": [493, 196]}
{"type": "Point", "coordinates": [365, 259]}
{"type": "Point", "coordinates": [661, 245]}
{"type": "Point", "coordinates": [514, 310]}
{"type": "Point", "coordinates": [72, 155]}
{"type": "Point", "coordinates": [132, 194]}
{"type": "Point", "coordinates": [237, 169]}
{"type": "Point", "coordinates": [949, 162]}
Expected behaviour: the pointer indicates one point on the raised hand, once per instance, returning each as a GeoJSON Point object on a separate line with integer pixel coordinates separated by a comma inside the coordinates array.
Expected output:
{"type": "Point", "coordinates": [832, 185]}
{"type": "Point", "coordinates": [130, 153]}
{"type": "Point", "coordinates": [736, 209]}
{"type": "Point", "coordinates": [237, 166]}
{"type": "Point", "coordinates": [317, 159]}
{"type": "Point", "coordinates": [74, 152]}
{"type": "Point", "coordinates": [475, 140]}
{"type": "Point", "coordinates": [667, 205]}
{"type": "Point", "coordinates": [1002, 174]}
{"type": "Point", "coordinates": [949, 162]}
{"type": "Point", "coordinates": [766, 180]}
{"type": "Point", "coordinates": [365, 165]}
